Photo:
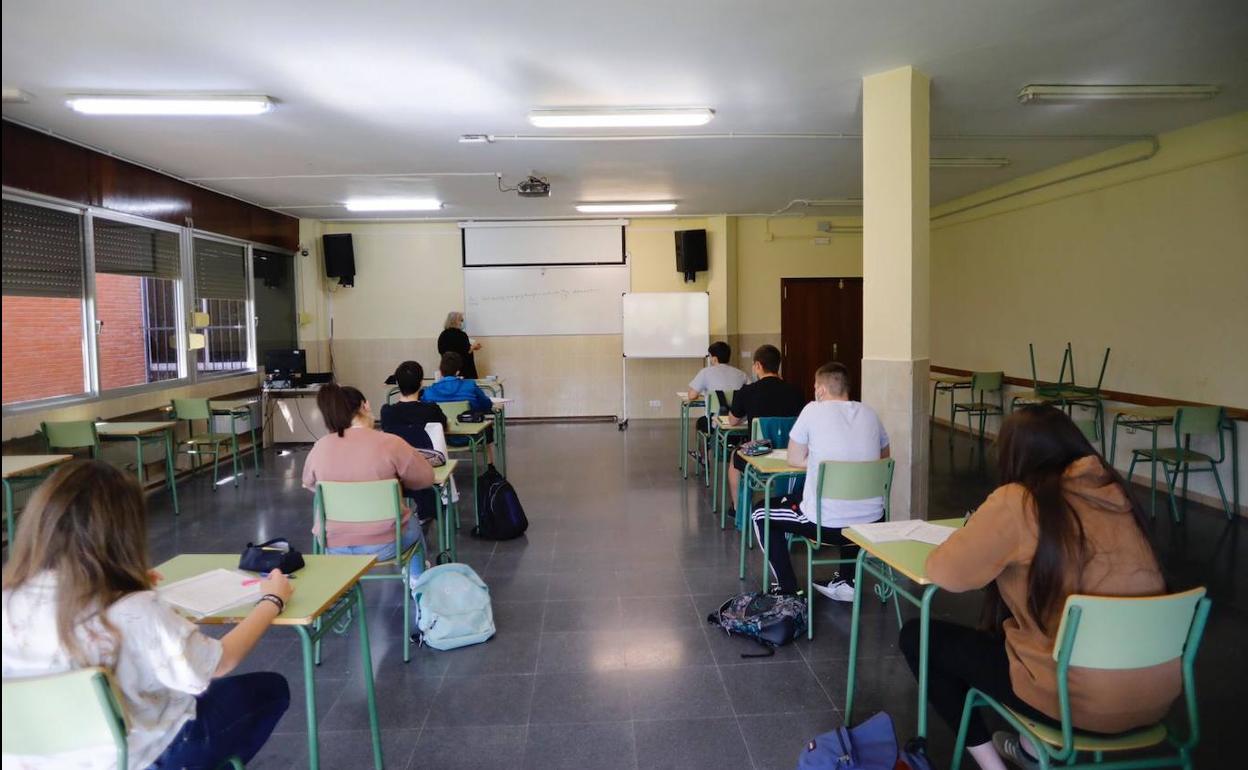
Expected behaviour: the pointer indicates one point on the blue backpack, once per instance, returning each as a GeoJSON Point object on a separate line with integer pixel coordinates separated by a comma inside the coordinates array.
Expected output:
{"type": "Point", "coordinates": [871, 745]}
{"type": "Point", "coordinates": [454, 607]}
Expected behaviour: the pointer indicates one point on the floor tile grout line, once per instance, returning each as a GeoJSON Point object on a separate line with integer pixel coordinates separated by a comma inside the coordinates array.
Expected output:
{"type": "Point", "coordinates": [736, 718]}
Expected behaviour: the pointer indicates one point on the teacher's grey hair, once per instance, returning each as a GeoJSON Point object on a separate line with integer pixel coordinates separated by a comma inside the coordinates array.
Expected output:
{"type": "Point", "coordinates": [454, 320]}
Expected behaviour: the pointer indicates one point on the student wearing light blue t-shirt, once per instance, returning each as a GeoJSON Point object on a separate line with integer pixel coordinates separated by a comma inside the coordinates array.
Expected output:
{"type": "Point", "coordinates": [831, 428]}
{"type": "Point", "coordinates": [717, 375]}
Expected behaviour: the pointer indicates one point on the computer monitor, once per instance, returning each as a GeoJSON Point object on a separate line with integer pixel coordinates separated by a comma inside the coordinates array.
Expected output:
{"type": "Point", "coordinates": [285, 363]}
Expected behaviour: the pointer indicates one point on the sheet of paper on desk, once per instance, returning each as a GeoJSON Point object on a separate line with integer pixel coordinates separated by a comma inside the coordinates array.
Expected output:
{"type": "Point", "coordinates": [890, 531]}
{"type": "Point", "coordinates": [210, 592]}
{"type": "Point", "coordinates": [779, 454]}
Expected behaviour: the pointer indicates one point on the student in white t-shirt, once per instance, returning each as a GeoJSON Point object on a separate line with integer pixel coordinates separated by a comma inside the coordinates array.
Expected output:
{"type": "Point", "coordinates": [78, 593]}
{"type": "Point", "coordinates": [717, 375]}
{"type": "Point", "coordinates": [830, 428]}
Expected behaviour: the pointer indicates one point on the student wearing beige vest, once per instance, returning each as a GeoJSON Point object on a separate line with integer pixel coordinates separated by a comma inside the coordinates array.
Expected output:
{"type": "Point", "coordinates": [1061, 522]}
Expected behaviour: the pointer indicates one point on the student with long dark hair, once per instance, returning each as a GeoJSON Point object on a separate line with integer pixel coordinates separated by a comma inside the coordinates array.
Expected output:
{"type": "Point", "coordinates": [78, 594]}
{"type": "Point", "coordinates": [1062, 522]}
{"type": "Point", "coordinates": [354, 450]}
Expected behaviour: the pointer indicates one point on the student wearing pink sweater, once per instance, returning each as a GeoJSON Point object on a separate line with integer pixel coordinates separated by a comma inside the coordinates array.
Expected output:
{"type": "Point", "coordinates": [354, 450]}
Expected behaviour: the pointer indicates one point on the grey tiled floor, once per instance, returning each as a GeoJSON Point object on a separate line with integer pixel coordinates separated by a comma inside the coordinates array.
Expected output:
{"type": "Point", "coordinates": [603, 657]}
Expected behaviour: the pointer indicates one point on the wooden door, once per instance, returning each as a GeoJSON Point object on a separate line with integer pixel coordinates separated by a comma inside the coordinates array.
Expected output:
{"type": "Point", "coordinates": [821, 321]}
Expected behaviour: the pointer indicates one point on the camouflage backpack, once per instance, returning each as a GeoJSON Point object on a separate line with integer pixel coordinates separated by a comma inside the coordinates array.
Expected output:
{"type": "Point", "coordinates": [771, 620]}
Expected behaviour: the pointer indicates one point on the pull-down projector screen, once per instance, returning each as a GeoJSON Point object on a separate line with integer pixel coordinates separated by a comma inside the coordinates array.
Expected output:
{"type": "Point", "coordinates": [543, 244]}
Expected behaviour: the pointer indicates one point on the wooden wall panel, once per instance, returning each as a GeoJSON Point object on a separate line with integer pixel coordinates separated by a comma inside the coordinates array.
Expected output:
{"type": "Point", "coordinates": [43, 164]}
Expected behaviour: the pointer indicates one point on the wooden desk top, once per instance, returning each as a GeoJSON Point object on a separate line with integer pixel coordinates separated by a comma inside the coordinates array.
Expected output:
{"type": "Point", "coordinates": [318, 585]}
{"type": "Point", "coordinates": [25, 465]}
{"type": "Point", "coordinates": [775, 462]}
{"type": "Point", "coordinates": [131, 429]}
{"type": "Point", "coordinates": [950, 379]}
{"type": "Point", "coordinates": [232, 405]}
{"type": "Point", "coordinates": [909, 557]}
{"type": "Point", "coordinates": [443, 472]}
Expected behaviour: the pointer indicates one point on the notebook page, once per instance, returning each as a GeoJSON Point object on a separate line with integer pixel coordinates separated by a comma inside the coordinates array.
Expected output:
{"type": "Point", "coordinates": [211, 592]}
{"type": "Point", "coordinates": [886, 531]}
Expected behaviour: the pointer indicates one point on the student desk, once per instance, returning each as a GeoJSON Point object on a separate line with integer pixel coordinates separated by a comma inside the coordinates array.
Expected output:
{"type": "Point", "coordinates": [760, 473]}
{"type": "Point", "coordinates": [327, 589]}
{"type": "Point", "coordinates": [1150, 418]}
{"type": "Point", "coordinates": [30, 467]}
{"type": "Point", "coordinates": [721, 432]}
{"type": "Point", "coordinates": [237, 409]}
{"type": "Point", "coordinates": [951, 384]}
{"type": "Point", "coordinates": [909, 558]}
{"type": "Point", "coordinates": [686, 405]}
{"type": "Point", "coordinates": [500, 431]}
{"type": "Point", "coordinates": [142, 433]}
{"type": "Point", "coordinates": [475, 433]}
{"type": "Point", "coordinates": [448, 514]}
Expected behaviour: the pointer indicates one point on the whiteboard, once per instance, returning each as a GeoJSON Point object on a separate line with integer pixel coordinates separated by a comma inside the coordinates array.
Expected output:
{"type": "Point", "coordinates": [527, 301]}
{"type": "Point", "coordinates": [667, 324]}
{"type": "Point", "coordinates": [492, 244]}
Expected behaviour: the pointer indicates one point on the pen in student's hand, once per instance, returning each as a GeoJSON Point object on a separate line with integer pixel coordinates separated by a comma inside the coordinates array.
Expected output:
{"type": "Point", "coordinates": [254, 581]}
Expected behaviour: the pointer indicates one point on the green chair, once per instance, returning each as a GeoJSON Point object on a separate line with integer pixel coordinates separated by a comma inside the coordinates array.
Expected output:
{"type": "Point", "coordinates": [370, 501]}
{"type": "Point", "coordinates": [71, 435]}
{"type": "Point", "coordinates": [776, 430]}
{"type": "Point", "coordinates": [713, 406]}
{"type": "Point", "coordinates": [196, 445]}
{"type": "Point", "coordinates": [1113, 633]}
{"type": "Point", "coordinates": [982, 383]}
{"type": "Point", "coordinates": [74, 711]}
{"type": "Point", "coordinates": [1189, 421]}
{"type": "Point", "coordinates": [845, 481]}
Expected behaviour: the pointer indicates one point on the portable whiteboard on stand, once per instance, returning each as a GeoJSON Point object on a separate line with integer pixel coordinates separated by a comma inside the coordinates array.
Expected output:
{"type": "Point", "coordinates": [663, 325]}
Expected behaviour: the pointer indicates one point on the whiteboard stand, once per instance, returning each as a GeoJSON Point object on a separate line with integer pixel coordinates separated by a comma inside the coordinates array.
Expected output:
{"type": "Point", "coordinates": [662, 325]}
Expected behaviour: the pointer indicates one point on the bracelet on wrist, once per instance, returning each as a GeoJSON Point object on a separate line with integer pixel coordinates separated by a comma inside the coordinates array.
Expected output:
{"type": "Point", "coordinates": [275, 600]}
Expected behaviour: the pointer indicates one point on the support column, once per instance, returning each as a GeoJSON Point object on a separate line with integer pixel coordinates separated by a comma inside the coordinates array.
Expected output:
{"type": "Point", "coordinates": [896, 272]}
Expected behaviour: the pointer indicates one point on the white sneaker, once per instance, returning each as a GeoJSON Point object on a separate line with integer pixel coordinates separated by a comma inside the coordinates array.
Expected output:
{"type": "Point", "coordinates": [837, 590]}
{"type": "Point", "coordinates": [1009, 746]}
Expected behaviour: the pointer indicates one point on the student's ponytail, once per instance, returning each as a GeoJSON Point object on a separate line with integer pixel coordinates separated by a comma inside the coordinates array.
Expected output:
{"type": "Point", "coordinates": [339, 405]}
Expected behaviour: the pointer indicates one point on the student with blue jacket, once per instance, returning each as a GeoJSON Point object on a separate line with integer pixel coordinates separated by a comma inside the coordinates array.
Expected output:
{"type": "Point", "coordinates": [452, 387]}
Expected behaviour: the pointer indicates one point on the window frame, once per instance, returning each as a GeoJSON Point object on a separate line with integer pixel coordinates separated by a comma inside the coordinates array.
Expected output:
{"type": "Point", "coordinates": [249, 306]}
{"type": "Point", "coordinates": [187, 371]}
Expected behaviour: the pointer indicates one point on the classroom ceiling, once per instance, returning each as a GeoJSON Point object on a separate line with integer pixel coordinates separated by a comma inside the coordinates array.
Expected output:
{"type": "Point", "coordinates": [373, 96]}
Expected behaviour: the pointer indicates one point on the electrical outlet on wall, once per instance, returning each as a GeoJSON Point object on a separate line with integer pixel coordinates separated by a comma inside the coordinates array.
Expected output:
{"type": "Point", "coordinates": [656, 404]}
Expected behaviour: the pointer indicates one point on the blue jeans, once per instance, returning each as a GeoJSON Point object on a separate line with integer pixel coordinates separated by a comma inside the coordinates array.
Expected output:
{"type": "Point", "coordinates": [383, 551]}
{"type": "Point", "coordinates": [233, 717]}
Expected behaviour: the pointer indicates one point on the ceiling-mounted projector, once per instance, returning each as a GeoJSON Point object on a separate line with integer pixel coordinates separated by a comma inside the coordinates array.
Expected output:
{"type": "Point", "coordinates": [533, 187]}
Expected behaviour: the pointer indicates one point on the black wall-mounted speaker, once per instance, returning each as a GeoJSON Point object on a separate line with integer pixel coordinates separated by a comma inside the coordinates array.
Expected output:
{"type": "Point", "coordinates": [339, 258]}
{"type": "Point", "coordinates": [690, 252]}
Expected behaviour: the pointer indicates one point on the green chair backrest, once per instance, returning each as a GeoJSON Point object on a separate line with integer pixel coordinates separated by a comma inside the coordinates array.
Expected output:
{"type": "Point", "coordinates": [63, 712]}
{"type": "Point", "coordinates": [1128, 632]}
{"type": "Point", "coordinates": [986, 381]}
{"type": "Point", "coordinates": [774, 429]}
{"type": "Point", "coordinates": [360, 501]}
{"type": "Point", "coordinates": [192, 409]}
{"type": "Point", "coordinates": [1198, 420]}
{"type": "Point", "coordinates": [856, 481]}
{"type": "Point", "coordinates": [73, 434]}
{"type": "Point", "coordinates": [713, 406]}
{"type": "Point", "coordinates": [453, 409]}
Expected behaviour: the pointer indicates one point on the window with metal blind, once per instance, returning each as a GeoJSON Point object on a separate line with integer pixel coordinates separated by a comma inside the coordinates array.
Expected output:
{"type": "Point", "coordinates": [221, 291]}
{"type": "Point", "coordinates": [45, 352]}
{"type": "Point", "coordinates": [137, 272]}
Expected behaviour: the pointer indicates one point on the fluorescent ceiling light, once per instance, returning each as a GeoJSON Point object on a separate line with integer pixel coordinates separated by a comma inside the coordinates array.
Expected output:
{"type": "Point", "coordinates": [626, 208]}
{"type": "Point", "coordinates": [475, 139]}
{"type": "Point", "coordinates": [629, 117]}
{"type": "Point", "coordinates": [1068, 93]}
{"type": "Point", "coordinates": [393, 204]}
{"type": "Point", "coordinates": [168, 104]}
{"type": "Point", "coordinates": [961, 162]}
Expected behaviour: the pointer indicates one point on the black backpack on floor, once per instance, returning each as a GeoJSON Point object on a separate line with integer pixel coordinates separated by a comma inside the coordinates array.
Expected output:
{"type": "Point", "coordinates": [498, 508]}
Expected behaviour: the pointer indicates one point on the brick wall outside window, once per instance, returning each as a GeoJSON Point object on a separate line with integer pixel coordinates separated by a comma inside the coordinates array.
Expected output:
{"type": "Point", "coordinates": [42, 342]}
{"type": "Point", "coordinates": [119, 304]}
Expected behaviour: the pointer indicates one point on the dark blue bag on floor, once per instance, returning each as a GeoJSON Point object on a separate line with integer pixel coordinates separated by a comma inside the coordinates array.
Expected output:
{"type": "Point", "coordinates": [499, 511]}
{"type": "Point", "coordinates": [871, 745]}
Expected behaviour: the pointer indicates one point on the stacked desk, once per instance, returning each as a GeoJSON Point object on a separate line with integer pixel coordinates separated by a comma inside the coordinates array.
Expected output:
{"type": "Point", "coordinates": [30, 467]}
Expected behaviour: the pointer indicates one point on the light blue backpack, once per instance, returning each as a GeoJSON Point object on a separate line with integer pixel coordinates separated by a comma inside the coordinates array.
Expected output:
{"type": "Point", "coordinates": [454, 606]}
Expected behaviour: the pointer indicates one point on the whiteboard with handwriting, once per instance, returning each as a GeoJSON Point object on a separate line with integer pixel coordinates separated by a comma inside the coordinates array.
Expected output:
{"type": "Point", "coordinates": [535, 301]}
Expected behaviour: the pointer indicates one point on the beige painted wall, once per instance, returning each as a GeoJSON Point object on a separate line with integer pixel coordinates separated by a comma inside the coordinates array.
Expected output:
{"type": "Point", "coordinates": [1150, 259]}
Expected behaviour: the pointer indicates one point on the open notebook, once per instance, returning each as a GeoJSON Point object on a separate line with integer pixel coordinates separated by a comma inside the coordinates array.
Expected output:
{"type": "Point", "coordinates": [211, 592]}
{"type": "Point", "coordinates": [889, 531]}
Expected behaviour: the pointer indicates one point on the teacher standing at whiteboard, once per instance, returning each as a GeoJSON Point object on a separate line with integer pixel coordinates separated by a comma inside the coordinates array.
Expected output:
{"type": "Point", "coordinates": [454, 340]}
